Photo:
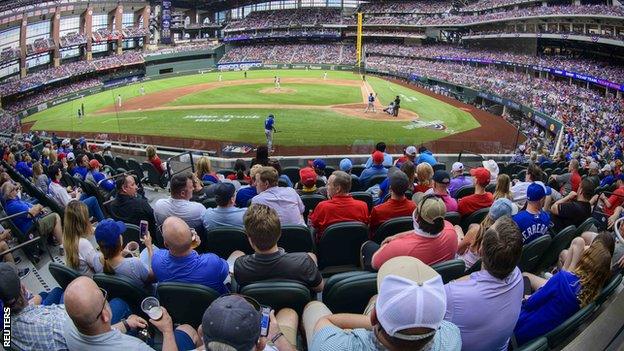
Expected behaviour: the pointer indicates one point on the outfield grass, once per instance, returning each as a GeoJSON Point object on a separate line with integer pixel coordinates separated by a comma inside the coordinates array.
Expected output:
{"type": "Point", "coordinates": [299, 127]}
{"type": "Point", "coordinates": [304, 94]}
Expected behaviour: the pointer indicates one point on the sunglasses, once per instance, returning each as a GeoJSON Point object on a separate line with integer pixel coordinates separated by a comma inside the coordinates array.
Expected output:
{"type": "Point", "coordinates": [105, 294]}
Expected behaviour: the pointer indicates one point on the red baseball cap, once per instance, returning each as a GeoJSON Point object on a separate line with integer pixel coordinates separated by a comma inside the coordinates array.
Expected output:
{"type": "Point", "coordinates": [61, 156]}
{"type": "Point", "coordinates": [482, 175]}
{"type": "Point", "coordinates": [378, 157]}
{"type": "Point", "coordinates": [95, 164]}
{"type": "Point", "coordinates": [308, 176]}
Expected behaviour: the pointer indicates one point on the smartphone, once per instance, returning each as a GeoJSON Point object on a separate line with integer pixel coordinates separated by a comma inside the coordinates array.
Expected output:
{"type": "Point", "coordinates": [265, 321]}
{"type": "Point", "coordinates": [143, 228]}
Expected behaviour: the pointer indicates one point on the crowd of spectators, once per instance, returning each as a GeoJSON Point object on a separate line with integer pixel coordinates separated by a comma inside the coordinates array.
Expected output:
{"type": "Point", "coordinates": [192, 46]}
{"type": "Point", "coordinates": [284, 33]}
{"type": "Point", "coordinates": [73, 39]}
{"type": "Point", "coordinates": [9, 54]}
{"type": "Point", "coordinates": [406, 7]}
{"type": "Point", "coordinates": [288, 18]}
{"type": "Point", "coordinates": [135, 32]}
{"type": "Point", "coordinates": [39, 46]}
{"type": "Point", "coordinates": [292, 53]}
{"type": "Point", "coordinates": [387, 33]}
{"type": "Point", "coordinates": [586, 66]}
{"type": "Point", "coordinates": [563, 33]}
{"type": "Point", "coordinates": [491, 4]}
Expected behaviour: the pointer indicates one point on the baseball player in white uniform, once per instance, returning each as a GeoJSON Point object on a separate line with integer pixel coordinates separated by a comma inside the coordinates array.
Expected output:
{"type": "Point", "coordinates": [220, 77]}
{"type": "Point", "coordinates": [142, 90]}
{"type": "Point", "coordinates": [119, 100]}
{"type": "Point", "coordinates": [277, 82]}
{"type": "Point", "coordinates": [325, 75]}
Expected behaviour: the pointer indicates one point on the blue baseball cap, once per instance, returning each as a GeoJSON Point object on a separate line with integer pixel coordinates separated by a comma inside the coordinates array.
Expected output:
{"type": "Point", "coordinates": [108, 232]}
{"type": "Point", "coordinates": [318, 163]}
{"type": "Point", "coordinates": [345, 165]}
{"type": "Point", "coordinates": [536, 191]}
{"type": "Point", "coordinates": [620, 177]}
{"type": "Point", "coordinates": [502, 207]}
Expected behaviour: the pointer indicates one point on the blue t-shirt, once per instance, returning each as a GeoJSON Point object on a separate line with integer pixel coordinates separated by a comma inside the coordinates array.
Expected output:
{"type": "Point", "coordinates": [608, 180]}
{"type": "Point", "coordinates": [24, 169]}
{"type": "Point", "coordinates": [206, 269]}
{"type": "Point", "coordinates": [107, 185]}
{"type": "Point", "coordinates": [531, 225]}
{"type": "Point", "coordinates": [370, 172]}
{"type": "Point", "coordinates": [426, 156]}
{"type": "Point", "coordinates": [23, 222]}
{"type": "Point", "coordinates": [548, 307]}
{"type": "Point", "coordinates": [210, 178]}
{"type": "Point", "coordinates": [80, 170]}
{"type": "Point", "coordinates": [244, 195]}
{"type": "Point", "coordinates": [371, 98]}
{"type": "Point", "coordinates": [268, 123]}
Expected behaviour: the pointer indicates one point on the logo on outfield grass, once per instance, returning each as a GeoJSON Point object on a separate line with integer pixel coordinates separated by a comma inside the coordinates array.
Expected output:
{"type": "Point", "coordinates": [434, 125]}
{"type": "Point", "coordinates": [218, 118]}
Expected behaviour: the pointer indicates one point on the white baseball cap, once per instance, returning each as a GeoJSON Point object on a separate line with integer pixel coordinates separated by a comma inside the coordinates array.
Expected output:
{"type": "Point", "coordinates": [491, 166]}
{"type": "Point", "coordinates": [65, 142]}
{"type": "Point", "coordinates": [70, 156]}
{"type": "Point", "coordinates": [411, 295]}
{"type": "Point", "coordinates": [457, 166]}
{"type": "Point", "coordinates": [411, 150]}
{"type": "Point", "coordinates": [521, 147]}
{"type": "Point", "coordinates": [606, 168]}
{"type": "Point", "coordinates": [106, 145]}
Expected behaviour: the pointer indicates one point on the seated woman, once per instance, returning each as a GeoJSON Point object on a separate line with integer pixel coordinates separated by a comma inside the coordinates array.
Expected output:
{"type": "Point", "coordinates": [424, 175]}
{"type": "Point", "coordinates": [468, 248]}
{"type": "Point", "coordinates": [63, 197]}
{"type": "Point", "coordinates": [569, 258]}
{"type": "Point", "coordinates": [242, 174]}
{"type": "Point", "coordinates": [558, 298]}
{"type": "Point", "coordinates": [78, 238]}
{"type": "Point", "coordinates": [40, 179]}
{"type": "Point", "coordinates": [503, 183]}
{"type": "Point", "coordinates": [204, 171]}
{"type": "Point", "coordinates": [109, 237]}
{"type": "Point", "coordinates": [153, 158]}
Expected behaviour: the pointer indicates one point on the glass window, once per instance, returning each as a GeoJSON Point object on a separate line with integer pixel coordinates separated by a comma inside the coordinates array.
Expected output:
{"type": "Point", "coordinates": [39, 30]}
{"type": "Point", "coordinates": [128, 44]}
{"type": "Point", "coordinates": [67, 53]}
{"type": "Point", "coordinates": [69, 25]}
{"type": "Point", "coordinates": [99, 48]}
{"type": "Point", "coordinates": [99, 21]}
{"type": "Point", "coordinates": [8, 70]}
{"type": "Point", "coordinates": [127, 20]}
{"type": "Point", "coordinates": [37, 60]}
{"type": "Point", "coordinates": [10, 38]}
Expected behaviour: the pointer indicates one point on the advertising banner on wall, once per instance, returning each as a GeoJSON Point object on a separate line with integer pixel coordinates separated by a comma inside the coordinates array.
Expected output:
{"type": "Point", "coordinates": [165, 23]}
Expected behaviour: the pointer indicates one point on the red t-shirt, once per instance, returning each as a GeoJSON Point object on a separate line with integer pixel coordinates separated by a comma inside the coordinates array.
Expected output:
{"type": "Point", "coordinates": [616, 199]}
{"type": "Point", "coordinates": [421, 188]}
{"type": "Point", "coordinates": [388, 210]}
{"type": "Point", "coordinates": [429, 249]}
{"type": "Point", "coordinates": [471, 203]}
{"type": "Point", "coordinates": [575, 181]}
{"type": "Point", "coordinates": [340, 208]}
{"type": "Point", "coordinates": [246, 178]}
{"type": "Point", "coordinates": [157, 164]}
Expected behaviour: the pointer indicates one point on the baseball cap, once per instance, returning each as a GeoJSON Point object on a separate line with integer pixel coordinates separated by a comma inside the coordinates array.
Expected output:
{"type": "Point", "coordinates": [521, 147]}
{"type": "Point", "coordinates": [502, 207]}
{"type": "Point", "coordinates": [606, 168]}
{"type": "Point", "coordinates": [223, 192]}
{"type": "Point", "coordinates": [399, 182]}
{"type": "Point", "coordinates": [95, 164]}
{"type": "Point", "coordinates": [65, 142]}
{"type": "Point", "coordinates": [71, 157]}
{"type": "Point", "coordinates": [107, 145]}
{"type": "Point", "coordinates": [318, 163]}
{"type": "Point", "coordinates": [429, 207]}
{"type": "Point", "coordinates": [535, 192]}
{"type": "Point", "coordinates": [457, 167]}
{"type": "Point", "coordinates": [441, 176]}
{"type": "Point", "coordinates": [307, 176]}
{"type": "Point", "coordinates": [378, 157]}
{"type": "Point", "coordinates": [61, 156]}
{"type": "Point", "coordinates": [482, 175]}
{"type": "Point", "coordinates": [345, 165]}
{"type": "Point", "coordinates": [411, 150]}
{"type": "Point", "coordinates": [10, 286]}
{"type": "Point", "coordinates": [491, 166]}
{"type": "Point", "coordinates": [108, 231]}
{"type": "Point", "coordinates": [411, 295]}
{"type": "Point", "coordinates": [233, 321]}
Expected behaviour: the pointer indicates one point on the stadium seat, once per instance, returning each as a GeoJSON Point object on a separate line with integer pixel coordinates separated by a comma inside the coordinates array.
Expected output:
{"type": "Point", "coordinates": [453, 217]}
{"type": "Point", "coordinates": [31, 242]}
{"type": "Point", "coordinates": [62, 274]}
{"type": "Point", "coordinates": [393, 226]}
{"type": "Point", "coordinates": [561, 241]}
{"type": "Point", "coordinates": [222, 241]}
{"type": "Point", "coordinates": [450, 270]}
{"type": "Point", "coordinates": [521, 175]}
{"type": "Point", "coordinates": [357, 170]}
{"type": "Point", "coordinates": [99, 158]}
{"type": "Point", "coordinates": [340, 245]}
{"type": "Point", "coordinates": [296, 238]}
{"type": "Point", "coordinates": [153, 177]}
{"type": "Point", "coordinates": [539, 344]}
{"type": "Point", "coordinates": [134, 166]}
{"type": "Point", "coordinates": [329, 170]}
{"type": "Point", "coordinates": [119, 286]}
{"type": "Point", "coordinates": [349, 292]}
{"type": "Point", "coordinates": [279, 294]}
{"type": "Point", "coordinates": [121, 163]}
{"type": "Point", "coordinates": [474, 268]}
{"type": "Point", "coordinates": [132, 233]}
{"type": "Point", "coordinates": [464, 191]}
{"type": "Point", "coordinates": [292, 173]}
{"type": "Point", "coordinates": [110, 161]}
{"type": "Point", "coordinates": [439, 166]}
{"type": "Point", "coordinates": [609, 288]}
{"type": "Point", "coordinates": [310, 202]}
{"type": "Point", "coordinates": [355, 183]}
{"type": "Point", "coordinates": [191, 308]}
{"type": "Point", "coordinates": [586, 226]}
{"type": "Point", "coordinates": [475, 217]}
{"type": "Point", "coordinates": [364, 196]}
{"type": "Point", "coordinates": [565, 329]}
{"type": "Point", "coordinates": [532, 253]}
{"type": "Point", "coordinates": [281, 182]}
{"type": "Point", "coordinates": [374, 180]}
{"type": "Point", "coordinates": [491, 188]}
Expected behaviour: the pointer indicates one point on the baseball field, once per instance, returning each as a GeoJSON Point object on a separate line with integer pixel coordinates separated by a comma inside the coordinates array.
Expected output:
{"type": "Point", "coordinates": [226, 107]}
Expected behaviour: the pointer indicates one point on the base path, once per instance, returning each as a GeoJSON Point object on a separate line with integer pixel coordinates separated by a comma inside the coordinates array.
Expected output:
{"type": "Point", "coordinates": [158, 101]}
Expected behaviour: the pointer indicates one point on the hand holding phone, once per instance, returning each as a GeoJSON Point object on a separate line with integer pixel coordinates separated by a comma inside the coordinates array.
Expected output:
{"type": "Point", "coordinates": [265, 321]}
{"type": "Point", "coordinates": [143, 228]}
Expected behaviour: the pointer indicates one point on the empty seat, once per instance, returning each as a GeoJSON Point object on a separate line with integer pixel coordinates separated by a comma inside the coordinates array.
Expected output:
{"type": "Point", "coordinates": [393, 226]}
{"type": "Point", "coordinates": [296, 238]}
{"type": "Point", "coordinates": [349, 292]}
{"type": "Point", "coordinates": [186, 303]}
{"type": "Point", "coordinates": [340, 245]}
{"type": "Point", "coordinates": [279, 294]}
{"type": "Point", "coordinates": [222, 241]}
{"type": "Point", "coordinates": [62, 274]}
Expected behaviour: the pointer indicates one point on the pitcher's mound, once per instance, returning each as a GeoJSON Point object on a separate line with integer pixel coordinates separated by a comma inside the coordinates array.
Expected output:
{"type": "Point", "coordinates": [278, 91]}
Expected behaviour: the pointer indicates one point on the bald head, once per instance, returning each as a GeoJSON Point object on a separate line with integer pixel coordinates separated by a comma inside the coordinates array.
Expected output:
{"type": "Point", "coordinates": [177, 235]}
{"type": "Point", "coordinates": [83, 303]}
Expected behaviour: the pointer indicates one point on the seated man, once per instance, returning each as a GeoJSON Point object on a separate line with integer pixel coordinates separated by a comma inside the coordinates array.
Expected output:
{"type": "Point", "coordinates": [481, 198]}
{"type": "Point", "coordinates": [341, 207]}
{"type": "Point", "coordinates": [81, 169]}
{"type": "Point", "coordinates": [90, 325]}
{"type": "Point", "coordinates": [408, 315]}
{"type": "Point", "coordinates": [60, 194]}
{"type": "Point", "coordinates": [232, 323]}
{"type": "Point", "coordinates": [270, 262]}
{"type": "Point", "coordinates": [377, 168]}
{"type": "Point", "coordinates": [179, 203]}
{"type": "Point", "coordinates": [24, 167]}
{"type": "Point", "coordinates": [47, 224]}
{"type": "Point", "coordinates": [226, 214]}
{"type": "Point", "coordinates": [568, 181]}
{"type": "Point", "coordinates": [486, 305]}
{"type": "Point", "coordinates": [519, 190]}
{"type": "Point", "coordinates": [396, 206]}
{"type": "Point", "coordinates": [425, 156]}
{"type": "Point", "coordinates": [180, 263]}
{"type": "Point", "coordinates": [573, 209]}
{"type": "Point", "coordinates": [616, 199]}
{"type": "Point", "coordinates": [533, 221]}
{"type": "Point", "coordinates": [441, 181]}
{"type": "Point", "coordinates": [247, 193]}
{"type": "Point", "coordinates": [98, 178]}
{"type": "Point", "coordinates": [459, 180]}
{"type": "Point", "coordinates": [433, 239]}
{"type": "Point", "coordinates": [284, 200]}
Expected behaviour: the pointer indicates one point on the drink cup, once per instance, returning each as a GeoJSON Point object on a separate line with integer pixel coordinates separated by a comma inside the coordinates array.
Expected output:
{"type": "Point", "coordinates": [151, 307]}
{"type": "Point", "coordinates": [133, 247]}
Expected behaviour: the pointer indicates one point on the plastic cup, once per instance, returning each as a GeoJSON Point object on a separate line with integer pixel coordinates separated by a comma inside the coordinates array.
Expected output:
{"type": "Point", "coordinates": [133, 247]}
{"type": "Point", "coordinates": [151, 307]}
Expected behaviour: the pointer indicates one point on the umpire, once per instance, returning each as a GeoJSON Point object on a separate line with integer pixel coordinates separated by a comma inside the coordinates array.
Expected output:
{"type": "Point", "coordinates": [397, 105]}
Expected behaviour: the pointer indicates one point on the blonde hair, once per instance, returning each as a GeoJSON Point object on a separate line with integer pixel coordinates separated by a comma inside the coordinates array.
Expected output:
{"type": "Point", "coordinates": [76, 226]}
{"type": "Point", "coordinates": [503, 183]}
{"type": "Point", "coordinates": [268, 174]}
{"type": "Point", "coordinates": [150, 151]}
{"type": "Point", "coordinates": [593, 270]}
{"type": "Point", "coordinates": [203, 167]}
{"type": "Point", "coordinates": [108, 253]}
{"type": "Point", "coordinates": [37, 169]}
{"type": "Point", "coordinates": [45, 151]}
{"type": "Point", "coordinates": [485, 224]}
{"type": "Point", "coordinates": [11, 158]}
{"type": "Point", "coordinates": [262, 226]}
{"type": "Point", "coordinates": [424, 173]}
{"type": "Point", "coordinates": [53, 156]}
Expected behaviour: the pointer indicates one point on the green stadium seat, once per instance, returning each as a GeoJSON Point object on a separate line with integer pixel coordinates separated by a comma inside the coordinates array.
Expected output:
{"type": "Point", "coordinates": [340, 245]}
{"type": "Point", "coordinates": [349, 292]}
{"type": "Point", "coordinates": [119, 286]}
{"type": "Point", "coordinates": [561, 241]}
{"type": "Point", "coordinates": [222, 241]}
{"type": "Point", "coordinates": [393, 226]}
{"type": "Point", "coordinates": [279, 294]}
{"type": "Point", "coordinates": [186, 303]}
{"type": "Point", "coordinates": [62, 274]}
{"type": "Point", "coordinates": [450, 270]}
{"type": "Point", "coordinates": [296, 238]}
{"type": "Point", "coordinates": [532, 253]}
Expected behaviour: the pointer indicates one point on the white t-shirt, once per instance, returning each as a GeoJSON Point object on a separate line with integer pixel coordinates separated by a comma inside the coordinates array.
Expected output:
{"type": "Point", "coordinates": [89, 258]}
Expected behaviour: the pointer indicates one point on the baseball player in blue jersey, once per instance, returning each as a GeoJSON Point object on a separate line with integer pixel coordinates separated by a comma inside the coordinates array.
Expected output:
{"type": "Point", "coordinates": [371, 103]}
{"type": "Point", "coordinates": [269, 128]}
